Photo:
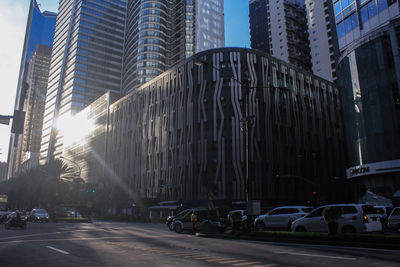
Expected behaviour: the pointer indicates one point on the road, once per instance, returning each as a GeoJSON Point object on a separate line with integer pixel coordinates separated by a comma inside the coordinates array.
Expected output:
{"type": "Point", "coordinates": [120, 244]}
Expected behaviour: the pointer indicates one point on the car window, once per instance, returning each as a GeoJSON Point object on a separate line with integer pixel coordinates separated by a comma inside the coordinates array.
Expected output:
{"type": "Point", "coordinates": [368, 209]}
{"type": "Point", "coordinates": [307, 210]}
{"type": "Point", "coordinates": [396, 212]}
{"type": "Point", "coordinates": [276, 212]}
{"type": "Point", "coordinates": [315, 213]}
{"type": "Point", "coordinates": [349, 209]}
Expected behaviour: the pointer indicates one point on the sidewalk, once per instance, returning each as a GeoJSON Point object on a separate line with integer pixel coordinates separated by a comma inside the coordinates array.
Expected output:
{"type": "Point", "coordinates": [367, 240]}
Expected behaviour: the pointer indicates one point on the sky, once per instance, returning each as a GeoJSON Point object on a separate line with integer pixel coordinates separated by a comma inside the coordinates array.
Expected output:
{"type": "Point", "coordinates": [13, 17]}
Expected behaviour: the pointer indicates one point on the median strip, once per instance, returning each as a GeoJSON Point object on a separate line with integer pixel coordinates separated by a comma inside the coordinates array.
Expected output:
{"type": "Point", "coordinates": [58, 250]}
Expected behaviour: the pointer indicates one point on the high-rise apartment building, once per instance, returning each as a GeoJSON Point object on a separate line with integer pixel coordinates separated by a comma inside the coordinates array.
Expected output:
{"type": "Point", "coordinates": [86, 62]}
{"type": "Point", "coordinates": [283, 33]}
{"type": "Point", "coordinates": [160, 33]}
{"type": "Point", "coordinates": [39, 30]}
{"type": "Point", "coordinates": [369, 78]}
{"type": "Point", "coordinates": [323, 38]}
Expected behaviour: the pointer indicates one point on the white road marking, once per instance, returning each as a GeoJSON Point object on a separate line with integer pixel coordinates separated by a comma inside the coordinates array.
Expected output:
{"type": "Point", "coordinates": [316, 255]}
{"type": "Point", "coordinates": [231, 261]}
{"type": "Point", "coordinates": [58, 250]}
{"type": "Point", "coordinates": [246, 263]}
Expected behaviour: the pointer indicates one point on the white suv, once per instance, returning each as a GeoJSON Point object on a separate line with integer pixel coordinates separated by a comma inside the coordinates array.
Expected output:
{"type": "Point", "coordinates": [354, 218]}
{"type": "Point", "coordinates": [394, 219]}
{"type": "Point", "coordinates": [281, 217]}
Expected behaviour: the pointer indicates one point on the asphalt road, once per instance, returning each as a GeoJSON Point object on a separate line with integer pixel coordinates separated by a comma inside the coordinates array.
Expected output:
{"type": "Point", "coordinates": [138, 244]}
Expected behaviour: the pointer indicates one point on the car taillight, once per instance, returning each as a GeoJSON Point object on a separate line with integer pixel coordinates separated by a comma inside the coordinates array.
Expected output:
{"type": "Point", "coordinates": [365, 218]}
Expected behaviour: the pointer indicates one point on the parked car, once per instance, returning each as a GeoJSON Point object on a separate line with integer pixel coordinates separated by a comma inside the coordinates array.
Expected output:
{"type": "Point", "coordinates": [243, 214]}
{"type": "Point", "coordinates": [14, 220]}
{"type": "Point", "coordinates": [354, 218]}
{"type": "Point", "coordinates": [171, 218]}
{"type": "Point", "coordinates": [205, 218]}
{"type": "Point", "coordinates": [39, 215]}
{"type": "Point", "coordinates": [394, 219]}
{"type": "Point", "coordinates": [281, 217]}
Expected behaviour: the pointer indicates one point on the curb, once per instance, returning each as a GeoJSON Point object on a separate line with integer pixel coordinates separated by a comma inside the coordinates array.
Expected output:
{"type": "Point", "coordinates": [304, 241]}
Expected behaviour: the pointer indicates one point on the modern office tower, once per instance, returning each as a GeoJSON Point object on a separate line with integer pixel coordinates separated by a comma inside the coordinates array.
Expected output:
{"type": "Point", "coordinates": [39, 30]}
{"type": "Point", "coordinates": [160, 33]}
{"type": "Point", "coordinates": [86, 62]}
{"type": "Point", "coordinates": [37, 77]}
{"type": "Point", "coordinates": [286, 31]}
{"type": "Point", "coordinates": [323, 38]}
{"type": "Point", "coordinates": [369, 78]}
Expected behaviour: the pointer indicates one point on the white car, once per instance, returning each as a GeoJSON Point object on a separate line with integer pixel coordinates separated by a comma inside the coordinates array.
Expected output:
{"type": "Point", "coordinates": [281, 217]}
{"type": "Point", "coordinates": [354, 218]}
{"type": "Point", "coordinates": [394, 219]}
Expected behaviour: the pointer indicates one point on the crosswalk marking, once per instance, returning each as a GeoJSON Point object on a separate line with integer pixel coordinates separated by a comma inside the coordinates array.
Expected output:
{"type": "Point", "coordinates": [220, 259]}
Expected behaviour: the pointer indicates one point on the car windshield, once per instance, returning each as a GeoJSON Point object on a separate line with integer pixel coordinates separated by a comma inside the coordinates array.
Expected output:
{"type": "Point", "coordinates": [307, 210]}
{"type": "Point", "coordinates": [41, 211]}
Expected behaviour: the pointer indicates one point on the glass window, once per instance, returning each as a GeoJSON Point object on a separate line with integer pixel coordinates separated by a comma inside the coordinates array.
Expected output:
{"type": "Point", "coordinates": [340, 29]}
{"type": "Point", "coordinates": [307, 210]}
{"type": "Point", "coordinates": [347, 25]}
{"type": "Point", "coordinates": [382, 5]}
{"type": "Point", "coordinates": [364, 14]}
{"type": "Point", "coordinates": [354, 21]}
{"type": "Point", "coordinates": [315, 213]}
{"type": "Point", "coordinates": [368, 209]}
{"type": "Point", "coordinates": [396, 211]}
{"type": "Point", "coordinates": [349, 210]}
{"type": "Point", "coordinates": [372, 9]}
{"type": "Point", "coordinates": [337, 8]}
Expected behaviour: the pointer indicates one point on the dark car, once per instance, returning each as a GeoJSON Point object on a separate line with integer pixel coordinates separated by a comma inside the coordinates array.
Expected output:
{"type": "Point", "coordinates": [39, 215]}
{"type": "Point", "coordinates": [171, 218]}
{"type": "Point", "coordinates": [206, 220]}
{"type": "Point", "coordinates": [15, 220]}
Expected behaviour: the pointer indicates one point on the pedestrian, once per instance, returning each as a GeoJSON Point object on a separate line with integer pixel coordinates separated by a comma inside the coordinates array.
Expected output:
{"type": "Point", "coordinates": [193, 219]}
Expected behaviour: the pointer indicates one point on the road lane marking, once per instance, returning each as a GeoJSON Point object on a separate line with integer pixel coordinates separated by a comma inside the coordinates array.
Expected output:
{"type": "Point", "coordinates": [246, 263]}
{"type": "Point", "coordinates": [232, 261]}
{"type": "Point", "coordinates": [316, 255]}
{"type": "Point", "coordinates": [221, 259]}
{"type": "Point", "coordinates": [58, 250]}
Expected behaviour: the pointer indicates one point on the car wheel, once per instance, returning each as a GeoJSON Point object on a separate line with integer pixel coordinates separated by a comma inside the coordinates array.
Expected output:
{"type": "Point", "coordinates": [260, 226]}
{"type": "Point", "coordinates": [348, 229]}
{"type": "Point", "coordinates": [398, 228]}
{"type": "Point", "coordinates": [171, 227]}
{"type": "Point", "coordinates": [301, 229]}
{"type": "Point", "coordinates": [178, 228]}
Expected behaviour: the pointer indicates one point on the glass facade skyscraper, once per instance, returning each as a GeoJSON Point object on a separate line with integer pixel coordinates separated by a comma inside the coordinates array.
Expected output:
{"type": "Point", "coordinates": [369, 77]}
{"type": "Point", "coordinates": [39, 31]}
{"type": "Point", "coordinates": [86, 62]}
{"type": "Point", "coordinates": [160, 33]}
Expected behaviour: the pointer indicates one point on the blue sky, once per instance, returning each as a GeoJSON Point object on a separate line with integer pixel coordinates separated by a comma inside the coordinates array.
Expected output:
{"type": "Point", "coordinates": [13, 16]}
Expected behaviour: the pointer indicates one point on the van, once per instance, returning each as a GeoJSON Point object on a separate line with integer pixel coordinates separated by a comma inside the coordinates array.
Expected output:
{"type": "Point", "coordinates": [355, 218]}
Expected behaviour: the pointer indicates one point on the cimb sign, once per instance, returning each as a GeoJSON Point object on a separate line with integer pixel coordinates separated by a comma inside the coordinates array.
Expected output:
{"type": "Point", "coordinates": [359, 170]}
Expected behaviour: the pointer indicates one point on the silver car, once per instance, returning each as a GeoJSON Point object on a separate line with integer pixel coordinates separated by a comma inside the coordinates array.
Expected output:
{"type": "Point", "coordinates": [394, 219]}
{"type": "Point", "coordinates": [281, 217]}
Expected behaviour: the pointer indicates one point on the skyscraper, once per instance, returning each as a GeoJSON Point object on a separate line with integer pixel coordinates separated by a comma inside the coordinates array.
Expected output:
{"type": "Point", "coordinates": [160, 33]}
{"type": "Point", "coordinates": [323, 38]}
{"type": "Point", "coordinates": [86, 62]}
{"type": "Point", "coordinates": [37, 78]}
{"type": "Point", "coordinates": [39, 30]}
{"type": "Point", "coordinates": [283, 33]}
{"type": "Point", "coordinates": [369, 77]}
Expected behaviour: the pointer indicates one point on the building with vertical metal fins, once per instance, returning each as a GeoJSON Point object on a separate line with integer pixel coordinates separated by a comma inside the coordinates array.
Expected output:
{"type": "Point", "coordinates": [180, 135]}
{"type": "Point", "coordinates": [280, 28]}
{"type": "Point", "coordinates": [369, 78]}
{"type": "Point", "coordinates": [39, 31]}
{"type": "Point", "coordinates": [160, 33]}
{"type": "Point", "coordinates": [86, 63]}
